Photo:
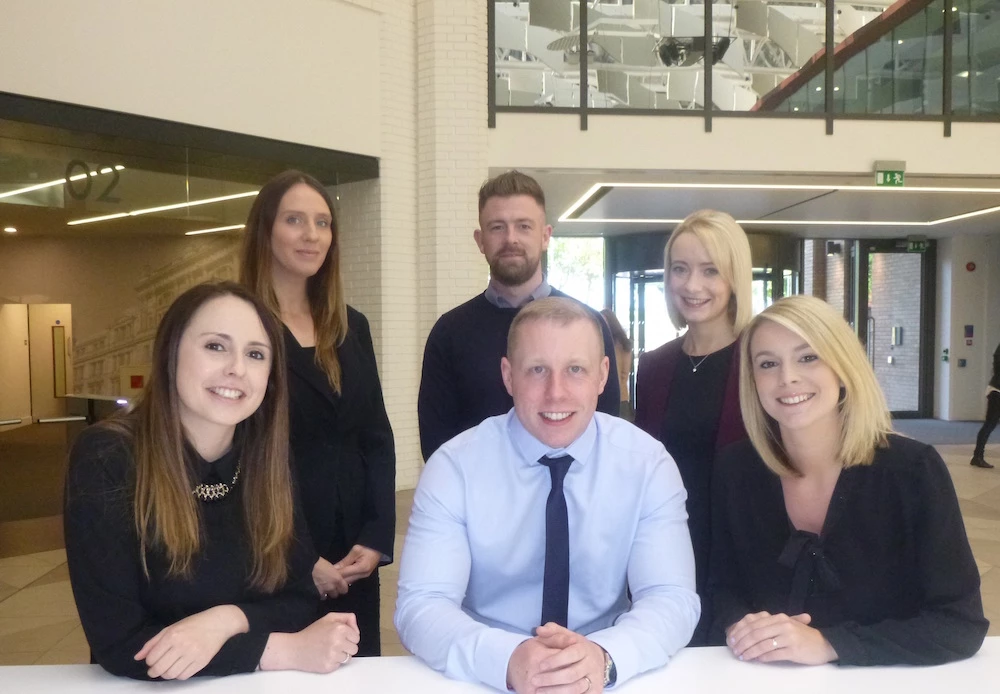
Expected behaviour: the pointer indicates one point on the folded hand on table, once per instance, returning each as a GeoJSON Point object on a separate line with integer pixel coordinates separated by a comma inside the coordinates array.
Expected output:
{"type": "Point", "coordinates": [322, 647]}
{"type": "Point", "coordinates": [184, 648]}
{"type": "Point", "coordinates": [767, 638]}
{"type": "Point", "coordinates": [557, 660]}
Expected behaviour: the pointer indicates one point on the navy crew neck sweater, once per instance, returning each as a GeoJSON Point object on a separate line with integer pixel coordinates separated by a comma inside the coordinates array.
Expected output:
{"type": "Point", "coordinates": [461, 383]}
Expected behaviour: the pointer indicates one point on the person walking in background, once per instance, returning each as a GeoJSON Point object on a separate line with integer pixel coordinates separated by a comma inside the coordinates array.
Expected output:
{"type": "Point", "coordinates": [341, 440]}
{"type": "Point", "coordinates": [687, 391]}
{"type": "Point", "coordinates": [460, 384]}
{"type": "Point", "coordinates": [185, 551]}
{"type": "Point", "coordinates": [833, 538]}
{"type": "Point", "coordinates": [623, 357]}
{"type": "Point", "coordinates": [992, 415]}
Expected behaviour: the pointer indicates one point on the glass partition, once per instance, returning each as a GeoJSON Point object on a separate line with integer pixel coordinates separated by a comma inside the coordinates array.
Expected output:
{"type": "Point", "coordinates": [646, 54]}
{"type": "Point", "coordinates": [537, 53]}
{"type": "Point", "coordinates": [975, 84]}
{"type": "Point", "coordinates": [761, 45]}
{"type": "Point", "coordinates": [766, 56]}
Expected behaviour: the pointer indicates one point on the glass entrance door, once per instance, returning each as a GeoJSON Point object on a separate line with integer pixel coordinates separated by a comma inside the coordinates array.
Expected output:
{"type": "Point", "coordinates": [641, 308]}
{"type": "Point", "coordinates": [895, 320]}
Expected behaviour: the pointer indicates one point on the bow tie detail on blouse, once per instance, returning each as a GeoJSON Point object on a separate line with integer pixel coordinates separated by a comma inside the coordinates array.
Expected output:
{"type": "Point", "coordinates": [803, 554]}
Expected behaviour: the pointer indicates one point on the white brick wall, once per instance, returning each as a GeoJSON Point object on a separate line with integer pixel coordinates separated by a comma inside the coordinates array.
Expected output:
{"type": "Point", "coordinates": [408, 248]}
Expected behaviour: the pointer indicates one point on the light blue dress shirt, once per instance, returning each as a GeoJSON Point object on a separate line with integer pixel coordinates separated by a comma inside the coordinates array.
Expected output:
{"type": "Point", "coordinates": [470, 577]}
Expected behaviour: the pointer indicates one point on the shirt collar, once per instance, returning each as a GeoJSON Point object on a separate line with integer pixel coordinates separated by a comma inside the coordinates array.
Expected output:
{"type": "Point", "coordinates": [494, 297]}
{"type": "Point", "coordinates": [531, 449]}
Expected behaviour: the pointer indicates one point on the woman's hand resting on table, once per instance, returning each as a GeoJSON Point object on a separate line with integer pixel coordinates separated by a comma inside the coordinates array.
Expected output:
{"type": "Point", "coordinates": [323, 646]}
{"type": "Point", "coordinates": [769, 638]}
{"type": "Point", "coordinates": [184, 648]}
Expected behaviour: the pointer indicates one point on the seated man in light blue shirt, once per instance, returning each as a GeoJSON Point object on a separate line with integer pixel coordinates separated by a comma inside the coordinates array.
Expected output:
{"type": "Point", "coordinates": [488, 591]}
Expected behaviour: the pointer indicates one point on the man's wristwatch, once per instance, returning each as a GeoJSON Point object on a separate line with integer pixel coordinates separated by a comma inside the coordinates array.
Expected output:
{"type": "Point", "coordinates": [610, 671]}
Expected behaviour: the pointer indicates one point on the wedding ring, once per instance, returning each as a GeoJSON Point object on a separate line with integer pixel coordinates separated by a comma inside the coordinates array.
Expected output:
{"type": "Point", "coordinates": [347, 656]}
{"type": "Point", "coordinates": [774, 643]}
{"type": "Point", "coordinates": [588, 684]}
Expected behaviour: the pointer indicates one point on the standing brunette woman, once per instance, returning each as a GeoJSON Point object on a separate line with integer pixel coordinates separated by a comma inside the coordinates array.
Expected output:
{"type": "Point", "coordinates": [834, 539]}
{"type": "Point", "coordinates": [185, 554]}
{"type": "Point", "coordinates": [687, 391]}
{"type": "Point", "coordinates": [342, 445]}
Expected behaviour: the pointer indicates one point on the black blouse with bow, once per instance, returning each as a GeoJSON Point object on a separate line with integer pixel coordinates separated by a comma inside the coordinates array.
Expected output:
{"type": "Point", "coordinates": [889, 580]}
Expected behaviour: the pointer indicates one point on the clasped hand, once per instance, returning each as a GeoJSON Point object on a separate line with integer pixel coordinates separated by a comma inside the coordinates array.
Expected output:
{"type": "Point", "coordinates": [556, 661]}
{"type": "Point", "coordinates": [333, 580]}
{"type": "Point", "coordinates": [768, 638]}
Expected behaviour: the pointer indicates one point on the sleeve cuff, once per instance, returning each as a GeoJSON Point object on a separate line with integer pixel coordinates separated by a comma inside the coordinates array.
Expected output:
{"type": "Point", "coordinates": [848, 647]}
{"type": "Point", "coordinates": [619, 652]}
{"type": "Point", "coordinates": [369, 537]}
{"type": "Point", "coordinates": [493, 655]}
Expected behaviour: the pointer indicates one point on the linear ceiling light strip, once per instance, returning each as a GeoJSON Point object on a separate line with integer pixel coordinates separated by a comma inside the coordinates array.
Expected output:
{"type": "Point", "coordinates": [58, 182]}
{"type": "Point", "coordinates": [163, 208]}
{"type": "Point", "coordinates": [214, 230]}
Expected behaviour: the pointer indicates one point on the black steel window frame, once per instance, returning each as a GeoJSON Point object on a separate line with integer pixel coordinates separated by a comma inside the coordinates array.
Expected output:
{"type": "Point", "coordinates": [708, 112]}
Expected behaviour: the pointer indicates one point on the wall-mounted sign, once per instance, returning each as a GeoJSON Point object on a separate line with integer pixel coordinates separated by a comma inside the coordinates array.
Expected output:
{"type": "Point", "coordinates": [890, 179]}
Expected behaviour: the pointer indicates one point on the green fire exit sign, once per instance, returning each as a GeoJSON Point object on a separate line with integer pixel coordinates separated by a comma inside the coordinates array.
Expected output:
{"type": "Point", "coordinates": [890, 179]}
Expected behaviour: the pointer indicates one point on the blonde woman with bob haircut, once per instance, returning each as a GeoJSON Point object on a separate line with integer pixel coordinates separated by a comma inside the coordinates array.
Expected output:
{"type": "Point", "coordinates": [342, 444]}
{"type": "Point", "coordinates": [185, 554]}
{"type": "Point", "coordinates": [834, 539]}
{"type": "Point", "coordinates": [687, 391]}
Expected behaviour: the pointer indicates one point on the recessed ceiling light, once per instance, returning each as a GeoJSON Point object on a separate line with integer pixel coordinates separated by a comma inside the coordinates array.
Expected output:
{"type": "Point", "coordinates": [10, 230]}
{"type": "Point", "coordinates": [214, 229]}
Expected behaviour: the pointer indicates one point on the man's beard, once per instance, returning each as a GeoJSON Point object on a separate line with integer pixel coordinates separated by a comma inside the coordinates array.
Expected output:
{"type": "Point", "coordinates": [512, 271]}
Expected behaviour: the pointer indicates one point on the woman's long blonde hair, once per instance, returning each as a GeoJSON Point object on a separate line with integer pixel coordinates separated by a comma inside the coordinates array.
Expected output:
{"type": "Point", "coordinates": [324, 290]}
{"type": "Point", "coordinates": [864, 416]}
{"type": "Point", "coordinates": [166, 512]}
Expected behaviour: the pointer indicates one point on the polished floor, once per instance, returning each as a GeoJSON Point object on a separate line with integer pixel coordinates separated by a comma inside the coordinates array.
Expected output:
{"type": "Point", "coordinates": [39, 624]}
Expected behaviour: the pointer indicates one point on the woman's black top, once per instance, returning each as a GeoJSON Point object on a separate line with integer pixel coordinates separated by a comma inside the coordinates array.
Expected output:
{"type": "Point", "coordinates": [689, 433]}
{"type": "Point", "coordinates": [889, 580]}
{"type": "Point", "coordinates": [342, 447]}
{"type": "Point", "coordinates": [121, 609]}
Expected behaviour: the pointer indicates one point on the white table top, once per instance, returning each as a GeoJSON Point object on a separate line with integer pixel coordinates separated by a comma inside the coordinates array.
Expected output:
{"type": "Point", "coordinates": [693, 670]}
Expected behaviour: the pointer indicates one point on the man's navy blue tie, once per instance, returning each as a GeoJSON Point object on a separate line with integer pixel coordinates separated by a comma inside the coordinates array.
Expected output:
{"type": "Point", "coordinates": [555, 586]}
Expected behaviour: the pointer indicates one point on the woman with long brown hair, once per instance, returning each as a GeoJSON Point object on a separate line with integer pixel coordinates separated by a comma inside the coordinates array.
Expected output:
{"type": "Point", "coordinates": [341, 440]}
{"type": "Point", "coordinates": [185, 554]}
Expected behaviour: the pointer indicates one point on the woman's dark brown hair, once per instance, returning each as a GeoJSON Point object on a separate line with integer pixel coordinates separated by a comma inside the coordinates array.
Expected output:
{"type": "Point", "coordinates": [166, 512]}
{"type": "Point", "coordinates": [324, 290]}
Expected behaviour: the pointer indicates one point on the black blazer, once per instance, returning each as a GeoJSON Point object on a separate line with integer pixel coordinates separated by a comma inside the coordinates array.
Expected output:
{"type": "Point", "coordinates": [342, 447]}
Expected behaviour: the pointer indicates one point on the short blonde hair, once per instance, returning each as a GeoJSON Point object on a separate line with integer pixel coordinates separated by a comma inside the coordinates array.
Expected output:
{"type": "Point", "coordinates": [864, 415]}
{"type": "Point", "coordinates": [729, 249]}
{"type": "Point", "coordinates": [557, 309]}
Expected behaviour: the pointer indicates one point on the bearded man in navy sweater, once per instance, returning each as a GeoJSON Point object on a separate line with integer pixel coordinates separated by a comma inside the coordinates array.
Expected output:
{"type": "Point", "coordinates": [461, 383]}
